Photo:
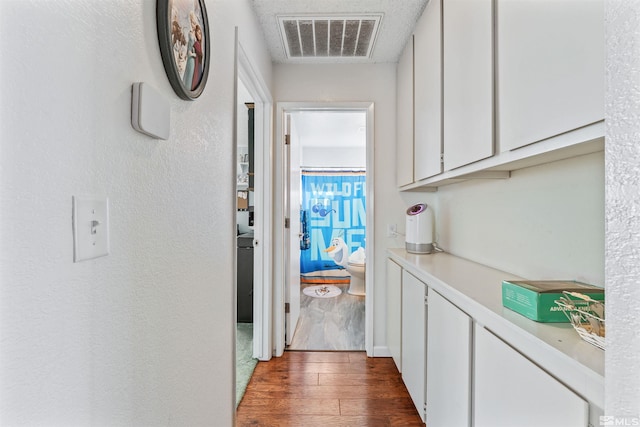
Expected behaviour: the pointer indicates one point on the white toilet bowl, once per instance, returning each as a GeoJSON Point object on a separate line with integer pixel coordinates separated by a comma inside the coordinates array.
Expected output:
{"type": "Point", "coordinates": [354, 264]}
{"type": "Point", "coordinates": [356, 286]}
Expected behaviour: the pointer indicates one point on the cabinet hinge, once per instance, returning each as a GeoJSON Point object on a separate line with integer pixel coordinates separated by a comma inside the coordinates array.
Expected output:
{"type": "Point", "coordinates": [286, 223]}
{"type": "Point", "coordinates": [424, 408]}
{"type": "Point", "coordinates": [287, 139]}
{"type": "Point", "coordinates": [287, 308]}
{"type": "Point", "coordinates": [442, 158]}
{"type": "Point", "coordinates": [426, 300]}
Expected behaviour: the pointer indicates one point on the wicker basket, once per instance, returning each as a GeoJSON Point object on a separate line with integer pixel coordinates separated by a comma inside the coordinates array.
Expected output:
{"type": "Point", "coordinates": [586, 315]}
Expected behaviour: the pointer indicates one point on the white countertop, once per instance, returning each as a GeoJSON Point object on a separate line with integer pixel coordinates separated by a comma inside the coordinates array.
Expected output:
{"type": "Point", "coordinates": [477, 290]}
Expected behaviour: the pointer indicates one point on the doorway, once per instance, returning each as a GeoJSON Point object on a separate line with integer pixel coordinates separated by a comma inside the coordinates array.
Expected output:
{"type": "Point", "coordinates": [326, 195]}
{"type": "Point", "coordinates": [253, 102]}
{"type": "Point", "coordinates": [253, 139]}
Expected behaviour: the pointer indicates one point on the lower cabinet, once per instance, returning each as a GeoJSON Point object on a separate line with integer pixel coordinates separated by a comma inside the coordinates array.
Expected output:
{"type": "Point", "coordinates": [510, 390]}
{"type": "Point", "coordinates": [394, 312]}
{"type": "Point", "coordinates": [414, 329]}
{"type": "Point", "coordinates": [460, 374]}
{"type": "Point", "coordinates": [449, 338]}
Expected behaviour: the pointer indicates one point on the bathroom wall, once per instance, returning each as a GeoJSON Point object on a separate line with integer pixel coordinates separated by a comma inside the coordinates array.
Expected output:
{"type": "Point", "coordinates": [143, 336]}
{"type": "Point", "coordinates": [347, 157]}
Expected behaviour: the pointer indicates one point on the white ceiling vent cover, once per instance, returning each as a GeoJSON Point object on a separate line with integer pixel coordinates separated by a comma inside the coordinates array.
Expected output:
{"type": "Point", "coordinates": [329, 37]}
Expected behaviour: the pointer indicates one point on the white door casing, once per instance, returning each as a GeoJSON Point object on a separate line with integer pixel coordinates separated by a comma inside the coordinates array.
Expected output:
{"type": "Point", "coordinates": [263, 230]}
{"type": "Point", "coordinates": [292, 234]}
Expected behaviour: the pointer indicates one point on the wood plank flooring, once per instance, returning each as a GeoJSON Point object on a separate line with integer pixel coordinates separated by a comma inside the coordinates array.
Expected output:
{"type": "Point", "coordinates": [327, 389]}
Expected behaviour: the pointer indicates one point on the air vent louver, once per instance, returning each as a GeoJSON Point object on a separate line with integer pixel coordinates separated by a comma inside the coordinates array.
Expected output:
{"type": "Point", "coordinates": [347, 37]}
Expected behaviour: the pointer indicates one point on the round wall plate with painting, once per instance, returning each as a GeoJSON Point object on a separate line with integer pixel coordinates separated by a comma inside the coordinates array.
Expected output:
{"type": "Point", "coordinates": [183, 34]}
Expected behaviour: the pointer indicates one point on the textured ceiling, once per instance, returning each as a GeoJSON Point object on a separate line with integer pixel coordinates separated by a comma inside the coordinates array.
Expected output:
{"type": "Point", "coordinates": [398, 22]}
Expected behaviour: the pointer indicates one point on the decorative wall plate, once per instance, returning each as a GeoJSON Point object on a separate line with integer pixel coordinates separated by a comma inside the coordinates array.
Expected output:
{"type": "Point", "coordinates": [183, 34]}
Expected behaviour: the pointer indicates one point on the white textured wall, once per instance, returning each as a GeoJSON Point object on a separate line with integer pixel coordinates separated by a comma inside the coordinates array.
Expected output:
{"type": "Point", "coordinates": [544, 222]}
{"type": "Point", "coordinates": [145, 335]}
{"type": "Point", "coordinates": [622, 244]}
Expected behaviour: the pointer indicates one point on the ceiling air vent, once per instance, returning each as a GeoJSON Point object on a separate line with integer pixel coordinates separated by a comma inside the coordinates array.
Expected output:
{"type": "Point", "coordinates": [330, 37]}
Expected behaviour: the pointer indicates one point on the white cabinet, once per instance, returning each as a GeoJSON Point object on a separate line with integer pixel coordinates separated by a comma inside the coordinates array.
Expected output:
{"type": "Point", "coordinates": [550, 57]}
{"type": "Point", "coordinates": [428, 92]}
{"type": "Point", "coordinates": [448, 364]}
{"type": "Point", "coordinates": [510, 390]}
{"type": "Point", "coordinates": [404, 116]}
{"type": "Point", "coordinates": [414, 324]}
{"type": "Point", "coordinates": [468, 81]}
{"type": "Point", "coordinates": [394, 312]}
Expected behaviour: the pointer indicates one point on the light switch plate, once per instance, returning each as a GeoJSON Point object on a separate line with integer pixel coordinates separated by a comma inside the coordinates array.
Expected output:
{"type": "Point", "coordinates": [90, 227]}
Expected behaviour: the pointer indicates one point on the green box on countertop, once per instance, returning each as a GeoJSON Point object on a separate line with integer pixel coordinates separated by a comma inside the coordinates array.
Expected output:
{"type": "Point", "coordinates": [536, 299]}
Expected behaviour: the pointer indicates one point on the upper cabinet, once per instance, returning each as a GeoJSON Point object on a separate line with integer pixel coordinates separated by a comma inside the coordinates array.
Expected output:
{"type": "Point", "coordinates": [550, 60]}
{"type": "Point", "coordinates": [494, 86]}
{"type": "Point", "coordinates": [468, 81]}
{"type": "Point", "coordinates": [428, 92]}
{"type": "Point", "coordinates": [404, 116]}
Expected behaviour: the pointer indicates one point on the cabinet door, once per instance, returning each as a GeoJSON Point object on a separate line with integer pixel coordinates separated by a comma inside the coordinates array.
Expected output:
{"type": "Point", "coordinates": [550, 68]}
{"type": "Point", "coordinates": [468, 81]}
{"type": "Point", "coordinates": [448, 364]}
{"type": "Point", "coordinates": [414, 330]}
{"type": "Point", "coordinates": [394, 312]}
{"type": "Point", "coordinates": [404, 116]}
{"type": "Point", "coordinates": [509, 390]}
{"type": "Point", "coordinates": [428, 92]}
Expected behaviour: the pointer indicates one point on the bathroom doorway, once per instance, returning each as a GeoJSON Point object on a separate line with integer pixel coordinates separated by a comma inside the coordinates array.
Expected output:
{"type": "Point", "coordinates": [327, 162]}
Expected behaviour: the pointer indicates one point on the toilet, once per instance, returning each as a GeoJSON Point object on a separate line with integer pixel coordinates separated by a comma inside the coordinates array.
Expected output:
{"type": "Point", "coordinates": [355, 264]}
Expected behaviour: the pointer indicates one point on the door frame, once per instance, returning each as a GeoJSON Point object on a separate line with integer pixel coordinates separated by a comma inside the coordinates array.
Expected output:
{"type": "Point", "coordinates": [292, 196]}
{"type": "Point", "coordinates": [279, 250]}
{"type": "Point", "coordinates": [263, 184]}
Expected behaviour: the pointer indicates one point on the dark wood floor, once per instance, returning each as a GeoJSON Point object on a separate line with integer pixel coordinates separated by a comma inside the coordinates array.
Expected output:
{"type": "Point", "coordinates": [327, 389]}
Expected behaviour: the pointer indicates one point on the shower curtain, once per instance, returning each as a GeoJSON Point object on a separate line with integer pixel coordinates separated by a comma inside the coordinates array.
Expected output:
{"type": "Point", "coordinates": [332, 217]}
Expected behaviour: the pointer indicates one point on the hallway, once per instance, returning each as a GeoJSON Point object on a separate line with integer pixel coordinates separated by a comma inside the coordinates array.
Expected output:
{"type": "Point", "coordinates": [327, 389]}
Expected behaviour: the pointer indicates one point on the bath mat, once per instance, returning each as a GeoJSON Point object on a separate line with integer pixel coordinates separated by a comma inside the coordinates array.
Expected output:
{"type": "Point", "coordinates": [322, 291]}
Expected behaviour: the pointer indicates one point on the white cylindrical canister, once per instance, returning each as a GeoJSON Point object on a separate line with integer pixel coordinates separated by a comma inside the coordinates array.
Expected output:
{"type": "Point", "coordinates": [419, 230]}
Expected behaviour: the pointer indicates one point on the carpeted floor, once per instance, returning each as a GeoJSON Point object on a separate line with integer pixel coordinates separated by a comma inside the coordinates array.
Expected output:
{"type": "Point", "coordinates": [245, 363]}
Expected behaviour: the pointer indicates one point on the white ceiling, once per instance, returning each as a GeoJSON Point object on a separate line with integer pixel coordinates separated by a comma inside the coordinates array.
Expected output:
{"type": "Point", "coordinates": [332, 128]}
{"type": "Point", "coordinates": [398, 22]}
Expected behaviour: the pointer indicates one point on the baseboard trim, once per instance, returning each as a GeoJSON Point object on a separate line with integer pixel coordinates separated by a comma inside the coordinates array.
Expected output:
{"type": "Point", "coordinates": [381, 351]}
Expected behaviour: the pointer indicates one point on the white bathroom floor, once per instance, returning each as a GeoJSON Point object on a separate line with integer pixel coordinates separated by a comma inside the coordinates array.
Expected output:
{"type": "Point", "coordinates": [335, 323]}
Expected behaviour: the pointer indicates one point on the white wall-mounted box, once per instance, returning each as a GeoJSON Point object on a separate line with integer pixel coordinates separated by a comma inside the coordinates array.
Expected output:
{"type": "Point", "coordinates": [150, 113]}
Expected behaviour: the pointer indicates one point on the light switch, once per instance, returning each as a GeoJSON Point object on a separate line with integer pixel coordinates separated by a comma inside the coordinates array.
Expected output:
{"type": "Point", "coordinates": [90, 227]}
